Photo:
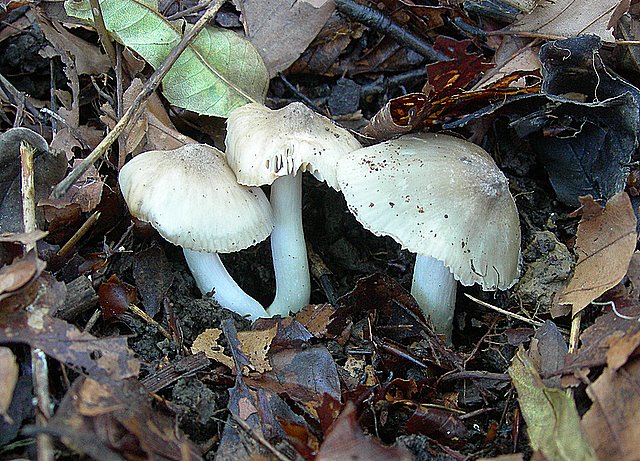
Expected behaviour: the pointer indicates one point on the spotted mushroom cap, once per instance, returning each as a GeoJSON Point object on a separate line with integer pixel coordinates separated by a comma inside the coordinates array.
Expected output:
{"type": "Point", "coordinates": [190, 195]}
{"type": "Point", "coordinates": [440, 196]}
{"type": "Point", "coordinates": [263, 144]}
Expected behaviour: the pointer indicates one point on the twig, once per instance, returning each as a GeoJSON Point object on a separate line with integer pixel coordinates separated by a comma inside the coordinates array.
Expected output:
{"type": "Point", "coordinates": [575, 332]}
{"type": "Point", "coordinates": [79, 234]}
{"type": "Point", "coordinates": [536, 323]}
{"type": "Point", "coordinates": [101, 28]}
{"type": "Point", "coordinates": [28, 191]}
{"type": "Point", "coordinates": [376, 20]}
{"type": "Point", "coordinates": [18, 96]}
{"type": "Point", "coordinates": [73, 130]}
{"type": "Point", "coordinates": [38, 359]}
{"type": "Point", "coordinates": [259, 438]}
{"type": "Point", "coordinates": [147, 318]}
{"type": "Point", "coordinates": [299, 93]}
{"type": "Point", "coordinates": [131, 114]}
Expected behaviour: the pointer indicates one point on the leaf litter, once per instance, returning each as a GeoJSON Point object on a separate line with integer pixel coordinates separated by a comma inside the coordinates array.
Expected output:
{"type": "Point", "coordinates": [142, 367]}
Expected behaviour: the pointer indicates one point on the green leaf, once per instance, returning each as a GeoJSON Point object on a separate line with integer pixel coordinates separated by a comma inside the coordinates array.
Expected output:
{"type": "Point", "coordinates": [552, 420]}
{"type": "Point", "coordinates": [217, 73]}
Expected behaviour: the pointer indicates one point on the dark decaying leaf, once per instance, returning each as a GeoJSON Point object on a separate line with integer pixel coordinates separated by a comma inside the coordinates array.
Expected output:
{"type": "Point", "coordinates": [583, 126]}
{"type": "Point", "coordinates": [299, 368]}
{"type": "Point", "coordinates": [346, 440]}
{"type": "Point", "coordinates": [437, 423]}
{"type": "Point", "coordinates": [154, 276]}
{"type": "Point", "coordinates": [117, 421]}
{"type": "Point", "coordinates": [49, 169]}
{"type": "Point", "coordinates": [596, 340]}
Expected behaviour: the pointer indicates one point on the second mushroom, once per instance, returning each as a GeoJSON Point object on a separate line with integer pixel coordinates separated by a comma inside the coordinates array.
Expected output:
{"type": "Point", "coordinates": [446, 200]}
{"type": "Point", "coordinates": [275, 147]}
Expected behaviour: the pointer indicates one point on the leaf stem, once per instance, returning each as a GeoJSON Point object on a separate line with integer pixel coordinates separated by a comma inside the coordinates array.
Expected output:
{"type": "Point", "coordinates": [147, 90]}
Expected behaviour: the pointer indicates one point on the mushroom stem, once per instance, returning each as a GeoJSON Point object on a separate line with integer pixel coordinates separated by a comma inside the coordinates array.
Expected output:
{"type": "Point", "coordinates": [288, 248]}
{"type": "Point", "coordinates": [211, 275]}
{"type": "Point", "coordinates": [434, 288]}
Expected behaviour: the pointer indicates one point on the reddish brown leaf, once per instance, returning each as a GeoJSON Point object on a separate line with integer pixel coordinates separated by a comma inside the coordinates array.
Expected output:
{"type": "Point", "coordinates": [115, 296]}
{"type": "Point", "coordinates": [346, 440]}
{"type": "Point", "coordinates": [102, 358]}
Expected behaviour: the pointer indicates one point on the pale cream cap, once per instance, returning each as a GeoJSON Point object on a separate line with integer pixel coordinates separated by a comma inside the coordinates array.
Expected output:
{"type": "Point", "coordinates": [190, 195]}
{"type": "Point", "coordinates": [440, 196]}
{"type": "Point", "coordinates": [263, 144]}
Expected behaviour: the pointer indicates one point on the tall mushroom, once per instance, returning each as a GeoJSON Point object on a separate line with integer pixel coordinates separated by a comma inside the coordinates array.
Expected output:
{"type": "Point", "coordinates": [274, 147]}
{"type": "Point", "coordinates": [191, 197]}
{"type": "Point", "coordinates": [446, 200]}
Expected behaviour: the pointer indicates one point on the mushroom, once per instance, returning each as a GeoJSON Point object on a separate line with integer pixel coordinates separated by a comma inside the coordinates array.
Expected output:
{"type": "Point", "coordinates": [274, 147]}
{"type": "Point", "coordinates": [446, 200]}
{"type": "Point", "coordinates": [190, 195]}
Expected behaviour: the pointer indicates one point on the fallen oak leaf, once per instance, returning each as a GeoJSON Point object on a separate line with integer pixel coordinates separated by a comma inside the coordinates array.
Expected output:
{"type": "Point", "coordinates": [605, 242]}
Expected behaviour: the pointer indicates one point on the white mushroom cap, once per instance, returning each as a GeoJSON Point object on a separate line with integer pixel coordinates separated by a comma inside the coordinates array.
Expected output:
{"type": "Point", "coordinates": [190, 195]}
{"type": "Point", "coordinates": [263, 144]}
{"type": "Point", "coordinates": [439, 196]}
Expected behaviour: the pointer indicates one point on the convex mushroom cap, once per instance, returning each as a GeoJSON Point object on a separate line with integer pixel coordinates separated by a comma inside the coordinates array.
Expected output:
{"type": "Point", "coordinates": [264, 144]}
{"type": "Point", "coordinates": [440, 196]}
{"type": "Point", "coordinates": [190, 195]}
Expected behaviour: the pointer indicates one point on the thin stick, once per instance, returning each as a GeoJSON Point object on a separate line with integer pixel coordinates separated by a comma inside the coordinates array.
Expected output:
{"type": "Point", "coordinates": [144, 316]}
{"type": "Point", "coordinates": [39, 366]}
{"type": "Point", "coordinates": [131, 114]}
{"type": "Point", "coordinates": [28, 192]}
{"type": "Point", "coordinates": [536, 323]}
{"type": "Point", "coordinates": [259, 438]}
{"type": "Point", "coordinates": [575, 332]}
{"type": "Point", "coordinates": [79, 234]}
{"type": "Point", "coordinates": [376, 20]}
{"type": "Point", "coordinates": [101, 28]}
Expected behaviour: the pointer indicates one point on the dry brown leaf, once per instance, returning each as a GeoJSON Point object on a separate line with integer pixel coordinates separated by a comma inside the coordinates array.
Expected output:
{"type": "Point", "coordinates": [88, 57]}
{"type": "Point", "coordinates": [281, 31]}
{"type": "Point", "coordinates": [19, 274]}
{"type": "Point", "coordinates": [152, 131]}
{"type": "Point", "coordinates": [255, 345]}
{"type": "Point", "coordinates": [513, 55]}
{"type": "Point", "coordinates": [604, 245]}
{"type": "Point", "coordinates": [568, 18]}
{"type": "Point", "coordinates": [611, 424]}
{"type": "Point", "coordinates": [207, 342]}
{"type": "Point", "coordinates": [315, 318]}
{"type": "Point", "coordinates": [85, 192]}
{"type": "Point", "coordinates": [25, 239]}
{"type": "Point", "coordinates": [8, 379]}
{"type": "Point", "coordinates": [620, 349]}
